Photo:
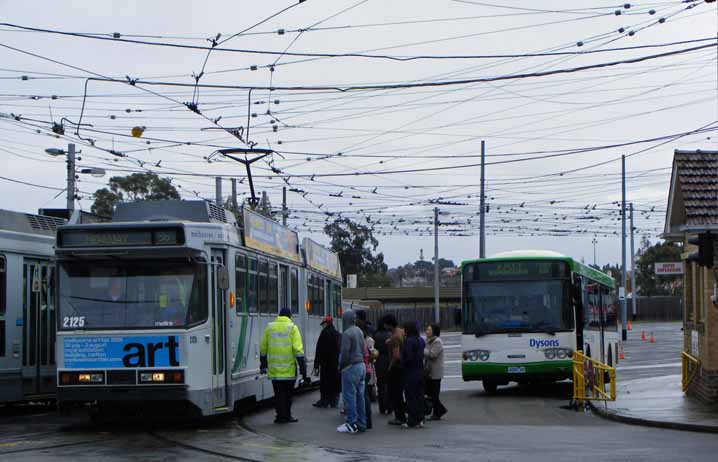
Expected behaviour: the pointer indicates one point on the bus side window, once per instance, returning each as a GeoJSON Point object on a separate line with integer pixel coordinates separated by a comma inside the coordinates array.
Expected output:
{"type": "Point", "coordinates": [611, 312]}
{"type": "Point", "coordinates": [252, 286]}
{"type": "Point", "coordinates": [294, 290]}
{"type": "Point", "coordinates": [240, 272]}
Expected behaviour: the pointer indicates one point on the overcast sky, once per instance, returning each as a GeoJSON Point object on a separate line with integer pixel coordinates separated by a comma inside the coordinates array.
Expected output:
{"type": "Point", "coordinates": [560, 201]}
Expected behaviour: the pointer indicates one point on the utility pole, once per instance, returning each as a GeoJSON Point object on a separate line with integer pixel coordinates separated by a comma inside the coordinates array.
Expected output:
{"type": "Point", "coordinates": [482, 202]}
{"type": "Point", "coordinates": [284, 206]}
{"type": "Point", "coordinates": [624, 333]}
{"type": "Point", "coordinates": [437, 320]}
{"type": "Point", "coordinates": [594, 241]}
{"type": "Point", "coordinates": [634, 289]}
{"type": "Point", "coordinates": [218, 190]}
{"type": "Point", "coordinates": [234, 194]}
{"type": "Point", "coordinates": [71, 178]}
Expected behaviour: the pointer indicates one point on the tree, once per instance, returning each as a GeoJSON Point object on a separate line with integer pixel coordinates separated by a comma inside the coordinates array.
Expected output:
{"type": "Point", "coordinates": [648, 283]}
{"type": "Point", "coordinates": [132, 188]}
{"type": "Point", "coordinates": [355, 244]}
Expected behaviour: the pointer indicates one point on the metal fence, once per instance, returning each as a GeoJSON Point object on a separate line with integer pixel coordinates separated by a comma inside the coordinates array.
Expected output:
{"type": "Point", "coordinates": [450, 317]}
{"type": "Point", "coordinates": [664, 308]}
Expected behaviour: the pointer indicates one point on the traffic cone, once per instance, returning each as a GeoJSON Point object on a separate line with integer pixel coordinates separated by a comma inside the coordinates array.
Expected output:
{"type": "Point", "coordinates": [628, 325]}
{"type": "Point", "coordinates": [653, 340]}
{"type": "Point", "coordinates": [643, 335]}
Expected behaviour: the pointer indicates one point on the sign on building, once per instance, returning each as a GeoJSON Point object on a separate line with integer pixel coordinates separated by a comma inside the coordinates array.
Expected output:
{"type": "Point", "coordinates": [669, 269]}
{"type": "Point", "coordinates": [351, 281]}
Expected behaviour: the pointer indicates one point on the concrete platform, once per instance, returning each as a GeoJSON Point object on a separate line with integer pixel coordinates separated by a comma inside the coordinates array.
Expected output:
{"type": "Point", "coordinates": [660, 402]}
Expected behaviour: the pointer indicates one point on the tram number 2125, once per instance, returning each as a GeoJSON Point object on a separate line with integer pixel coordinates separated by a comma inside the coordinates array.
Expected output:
{"type": "Point", "coordinates": [73, 321]}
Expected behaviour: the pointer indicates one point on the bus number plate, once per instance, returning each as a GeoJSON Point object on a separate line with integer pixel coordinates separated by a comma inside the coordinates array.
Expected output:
{"type": "Point", "coordinates": [517, 370]}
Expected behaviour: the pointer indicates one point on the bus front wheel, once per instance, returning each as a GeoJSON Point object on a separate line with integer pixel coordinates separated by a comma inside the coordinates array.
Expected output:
{"type": "Point", "coordinates": [490, 386]}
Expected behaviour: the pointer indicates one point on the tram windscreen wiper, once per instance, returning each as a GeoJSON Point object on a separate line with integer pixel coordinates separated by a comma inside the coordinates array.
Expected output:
{"type": "Point", "coordinates": [545, 330]}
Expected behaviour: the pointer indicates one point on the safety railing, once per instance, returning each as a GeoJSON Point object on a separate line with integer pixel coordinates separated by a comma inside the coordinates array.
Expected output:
{"type": "Point", "coordinates": [690, 366]}
{"type": "Point", "coordinates": [592, 380]}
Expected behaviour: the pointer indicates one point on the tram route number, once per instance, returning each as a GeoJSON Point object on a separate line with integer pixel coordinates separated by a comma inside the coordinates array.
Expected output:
{"type": "Point", "coordinates": [73, 321]}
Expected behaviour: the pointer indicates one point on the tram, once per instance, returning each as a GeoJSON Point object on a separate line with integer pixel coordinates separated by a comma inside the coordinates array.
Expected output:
{"type": "Point", "coordinates": [526, 312]}
{"type": "Point", "coordinates": [27, 306]}
{"type": "Point", "coordinates": [166, 305]}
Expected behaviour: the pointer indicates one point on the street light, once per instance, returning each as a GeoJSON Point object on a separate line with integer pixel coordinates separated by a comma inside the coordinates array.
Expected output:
{"type": "Point", "coordinates": [94, 171]}
{"type": "Point", "coordinates": [55, 152]}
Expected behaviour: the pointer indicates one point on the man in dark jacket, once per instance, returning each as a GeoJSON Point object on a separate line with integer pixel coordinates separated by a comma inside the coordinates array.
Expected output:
{"type": "Point", "coordinates": [326, 361]}
{"type": "Point", "coordinates": [381, 337]}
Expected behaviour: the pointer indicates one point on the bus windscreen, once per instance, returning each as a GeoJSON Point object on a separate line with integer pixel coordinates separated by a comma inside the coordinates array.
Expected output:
{"type": "Point", "coordinates": [517, 297]}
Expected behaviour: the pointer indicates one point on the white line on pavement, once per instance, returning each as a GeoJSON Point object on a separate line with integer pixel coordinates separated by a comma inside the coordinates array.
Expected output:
{"type": "Point", "coordinates": [647, 366]}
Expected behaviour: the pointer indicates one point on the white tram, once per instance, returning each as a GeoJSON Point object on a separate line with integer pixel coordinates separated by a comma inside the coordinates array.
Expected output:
{"type": "Point", "coordinates": [167, 304]}
{"type": "Point", "coordinates": [27, 306]}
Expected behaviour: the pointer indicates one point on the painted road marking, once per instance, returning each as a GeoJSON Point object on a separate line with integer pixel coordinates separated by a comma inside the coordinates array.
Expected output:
{"type": "Point", "coordinates": [647, 366]}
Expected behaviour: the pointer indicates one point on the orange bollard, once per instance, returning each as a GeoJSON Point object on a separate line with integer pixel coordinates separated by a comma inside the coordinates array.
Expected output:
{"type": "Point", "coordinates": [643, 335]}
{"type": "Point", "coordinates": [653, 340]}
{"type": "Point", "coordinates": [628, 325]}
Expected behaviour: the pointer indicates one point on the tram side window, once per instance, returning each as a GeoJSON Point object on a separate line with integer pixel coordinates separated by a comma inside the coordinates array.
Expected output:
{"type": "Point", "coordinates": [3, 283]}
{"type": "Point", "coordinates": [337, 312]}
{"type": "Point", "coordinates": [328, 298]}
{"type": "Point", "coordinates": [240, 282]}
{"type": "Point", "coordinates": [295, 291]}
{"type": "Point", "coordinates": [273, 288]}
{"type": "Point", "coordinates": [252, 302]}
{"type": "Point", "coordinates": [263, 287]}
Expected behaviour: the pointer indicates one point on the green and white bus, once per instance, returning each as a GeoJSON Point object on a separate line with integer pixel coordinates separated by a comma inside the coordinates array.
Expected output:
{"type": "Point", "coordinates": [526, 312]}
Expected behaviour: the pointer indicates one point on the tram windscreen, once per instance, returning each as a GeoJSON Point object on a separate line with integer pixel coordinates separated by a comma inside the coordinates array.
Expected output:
{"type": "Point", "coordinates": [517, 298]}
{"type": "Point", "coordinates": [132, 294]}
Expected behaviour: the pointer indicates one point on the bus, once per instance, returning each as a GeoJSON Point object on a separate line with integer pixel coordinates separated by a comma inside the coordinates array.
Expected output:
{"type": "Point", "coordinates": [525, 313]}
{"type": "Point", "coordinates": [27, 306]}
{"type": "Point", "coordinates": [165, 306]}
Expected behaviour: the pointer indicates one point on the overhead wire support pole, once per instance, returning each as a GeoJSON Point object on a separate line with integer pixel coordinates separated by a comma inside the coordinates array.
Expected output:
{"type": "Point", "coordinates": [71, 178]}
{"type": "Point", "coordinates": [284, 206]}
{"type": "Point", "coordinates": [436, 265]}
{"type": "Point", "coordinates": [482, 204]}
{"type": "Point", "coordinates": [634, 289]}
{"type": "Point", "coordinates": [624, 280]}
{"type": "Point", "coordinates": [262, 153]}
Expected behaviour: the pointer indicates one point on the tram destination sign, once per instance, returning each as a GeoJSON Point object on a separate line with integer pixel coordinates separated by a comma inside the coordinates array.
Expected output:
{"type": "Point", "coordinates": [119, 237]}
{"type": "Point", "coordinates": [322, 259]}
{"type": "Point", "coordinates": [504, 270]}
{"type": "Point", "coordinates": [266, 235]}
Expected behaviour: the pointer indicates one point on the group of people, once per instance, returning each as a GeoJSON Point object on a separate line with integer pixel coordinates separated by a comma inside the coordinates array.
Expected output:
{"type": "Point", "coordinates": [393, 365]}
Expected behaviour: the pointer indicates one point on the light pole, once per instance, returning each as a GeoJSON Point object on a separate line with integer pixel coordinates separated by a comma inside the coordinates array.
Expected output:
{"type": "Point", "coordinates": [594, 241]}
{"type": "Point", "coordinates": [71, 172]}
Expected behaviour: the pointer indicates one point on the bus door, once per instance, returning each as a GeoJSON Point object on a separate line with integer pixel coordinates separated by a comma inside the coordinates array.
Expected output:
{"type": "Point", "coordinates": [219, 284]}
{"type": "Point", "coordinates": [38, 327]}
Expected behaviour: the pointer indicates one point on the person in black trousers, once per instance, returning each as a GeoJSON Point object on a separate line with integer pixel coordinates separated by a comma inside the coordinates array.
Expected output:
{"type": "Point", "coordinates": [395, 377]}
{"type": "Point", "coordinates": [412, 361]}
{"type": "Point", "coordinates": [326, 363]}
{"type": "Point", "coordinates": [381, 367]}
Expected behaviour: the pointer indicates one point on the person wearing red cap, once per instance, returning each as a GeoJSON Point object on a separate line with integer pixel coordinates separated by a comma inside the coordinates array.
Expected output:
{"type": "Point", "coordinates": [326, 363]}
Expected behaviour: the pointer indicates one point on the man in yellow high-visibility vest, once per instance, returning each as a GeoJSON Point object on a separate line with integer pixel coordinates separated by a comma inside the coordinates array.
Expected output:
{"type": "Point", "coordinates": [281, 351]}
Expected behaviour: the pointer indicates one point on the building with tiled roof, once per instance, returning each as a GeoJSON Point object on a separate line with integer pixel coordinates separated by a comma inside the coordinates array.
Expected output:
{"type": "Point", "coordinates": [692, 212]}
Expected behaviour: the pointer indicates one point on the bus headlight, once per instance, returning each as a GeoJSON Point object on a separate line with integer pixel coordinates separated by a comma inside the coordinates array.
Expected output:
{"type": "Point", "coordinates": [476, 355]}
{"type": "Point", "coordinates": [558, 353]}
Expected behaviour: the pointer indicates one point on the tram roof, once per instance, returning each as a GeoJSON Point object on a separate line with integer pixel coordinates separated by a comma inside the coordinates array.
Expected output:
{"type": "Point", "coordinates": [576, 266]}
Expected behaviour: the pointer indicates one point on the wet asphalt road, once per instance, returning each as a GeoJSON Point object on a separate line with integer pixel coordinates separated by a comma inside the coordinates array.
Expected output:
{"type": "Point", "coordinates": [517, 423]}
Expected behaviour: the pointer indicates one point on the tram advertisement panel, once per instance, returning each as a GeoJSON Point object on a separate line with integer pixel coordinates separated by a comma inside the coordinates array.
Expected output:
{"type": "Point", "coordinates": [266, 235]}
{"type": "Point", "coordinates": [321, 258]}
{"type": "Point", "coordinates": [118, 352]}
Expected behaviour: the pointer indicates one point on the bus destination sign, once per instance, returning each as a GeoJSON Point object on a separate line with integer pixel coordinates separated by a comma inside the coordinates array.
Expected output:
{"type": "Point", "coordinates": [521, 270]}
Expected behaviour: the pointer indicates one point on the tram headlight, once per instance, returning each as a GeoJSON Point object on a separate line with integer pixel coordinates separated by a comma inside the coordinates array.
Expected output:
{"type": "Point", "coordinates": [82, 378]}
{"type": "Point", "coordinates": [168, 376]}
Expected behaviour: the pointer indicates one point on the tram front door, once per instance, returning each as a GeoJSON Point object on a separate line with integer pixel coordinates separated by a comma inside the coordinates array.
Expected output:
{"type": "Point", "coordinates": [38, 328]}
